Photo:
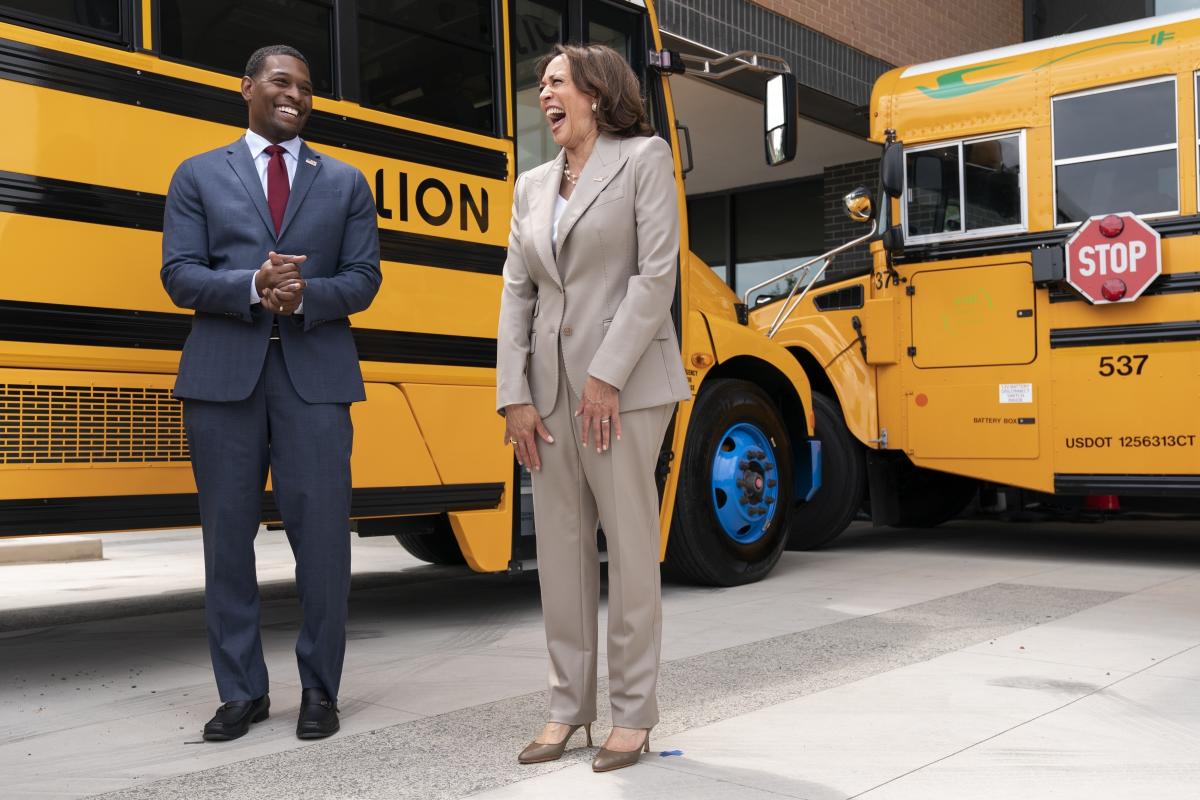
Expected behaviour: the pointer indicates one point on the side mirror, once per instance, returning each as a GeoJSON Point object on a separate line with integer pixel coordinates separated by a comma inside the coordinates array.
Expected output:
{"type": "Point", "coordinates": [779, 119]}
{"type": "Point", "coordinates": [891, 169]}
{"type": "Point", "coordinates": [860, 206]}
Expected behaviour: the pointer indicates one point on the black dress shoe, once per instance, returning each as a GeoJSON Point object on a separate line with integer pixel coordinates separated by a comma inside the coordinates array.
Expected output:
{"type": "Point", "coordinates": [318, 715]}
{"type": "Point", "coordinates": [233, 719]}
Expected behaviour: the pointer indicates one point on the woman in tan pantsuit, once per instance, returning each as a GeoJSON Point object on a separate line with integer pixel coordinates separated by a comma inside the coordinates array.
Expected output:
{"type": "Point", "coordinates": [587, 375]}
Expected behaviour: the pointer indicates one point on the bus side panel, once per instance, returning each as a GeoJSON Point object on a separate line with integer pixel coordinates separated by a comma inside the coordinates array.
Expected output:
{"type": "Point", "coordinates": [465, 438]}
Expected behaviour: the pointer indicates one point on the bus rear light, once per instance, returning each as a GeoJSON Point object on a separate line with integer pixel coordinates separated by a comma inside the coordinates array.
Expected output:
{"type": "Point", "coordinates": [1113, 289]}
{"type": "Point", "coordinates": [1111, 226]}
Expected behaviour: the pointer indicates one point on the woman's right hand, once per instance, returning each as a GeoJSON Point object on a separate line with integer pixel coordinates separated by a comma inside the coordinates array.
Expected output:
{"type": "Point", "coordinates": [521, 423]}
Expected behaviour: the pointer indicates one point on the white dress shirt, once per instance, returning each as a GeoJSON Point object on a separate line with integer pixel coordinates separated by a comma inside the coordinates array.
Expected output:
{"type": "Point", "coordinates": [261, 158]}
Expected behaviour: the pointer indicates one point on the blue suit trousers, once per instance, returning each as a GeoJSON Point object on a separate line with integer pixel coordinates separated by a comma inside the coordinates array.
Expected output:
{"type": "Point", "coordinates": [306, 447]}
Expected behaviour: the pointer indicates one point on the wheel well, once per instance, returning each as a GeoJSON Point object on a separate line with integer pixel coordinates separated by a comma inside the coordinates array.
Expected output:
{"type": "Point", "coordinates": [817, 378]}
{"type": "Point", "coordinates": [776, 385]}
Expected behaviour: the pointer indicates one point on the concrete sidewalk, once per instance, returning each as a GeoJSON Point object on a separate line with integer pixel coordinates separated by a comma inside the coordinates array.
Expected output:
{"type": "Point", "coordinates": [978, 660]}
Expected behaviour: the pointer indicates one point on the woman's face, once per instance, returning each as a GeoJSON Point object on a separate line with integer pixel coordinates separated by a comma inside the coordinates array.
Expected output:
{"type": "Point", "coordinates": [568, 110]}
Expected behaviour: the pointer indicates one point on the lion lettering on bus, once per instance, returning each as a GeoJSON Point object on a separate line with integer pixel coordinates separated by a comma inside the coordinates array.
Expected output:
{"type": "Point", "coordinates": [1111, 257]}
{"type": "Point", "coordinates": [432, 200]}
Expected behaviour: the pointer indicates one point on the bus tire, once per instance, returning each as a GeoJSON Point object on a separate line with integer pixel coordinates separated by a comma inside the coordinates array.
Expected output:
{"type": "Point", "coordinates": [843, 481]}
{"type": "Point", "coordinates": [735, 434]}
{"type": "Point", "coordinates": [439, 547]}
{"type": "Point", "coordinates": [928, 497]}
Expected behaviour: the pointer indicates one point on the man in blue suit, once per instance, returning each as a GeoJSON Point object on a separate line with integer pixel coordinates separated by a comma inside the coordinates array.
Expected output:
{"type": "Point", "coordinates": [273, 245]}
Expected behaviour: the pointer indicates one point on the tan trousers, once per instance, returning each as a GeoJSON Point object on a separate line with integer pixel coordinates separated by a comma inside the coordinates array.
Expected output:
{"type": "Point", "coordinates": [575, 487]}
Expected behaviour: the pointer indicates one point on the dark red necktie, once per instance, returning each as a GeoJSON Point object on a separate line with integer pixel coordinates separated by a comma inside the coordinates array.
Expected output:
{"type": "Point", "coordinates": [277, 185]}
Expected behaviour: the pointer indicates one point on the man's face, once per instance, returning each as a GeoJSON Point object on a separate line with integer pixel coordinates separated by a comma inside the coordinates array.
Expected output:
{"type": "Point", "coordinates": [279, 98]}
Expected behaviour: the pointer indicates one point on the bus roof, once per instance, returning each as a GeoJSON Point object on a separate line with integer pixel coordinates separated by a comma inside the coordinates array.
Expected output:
{"type": "Point", "coordinates": [1009, 87]}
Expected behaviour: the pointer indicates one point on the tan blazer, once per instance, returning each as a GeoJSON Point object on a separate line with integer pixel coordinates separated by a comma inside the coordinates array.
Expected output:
{"type": "Point", "coordinates": [606, 298]}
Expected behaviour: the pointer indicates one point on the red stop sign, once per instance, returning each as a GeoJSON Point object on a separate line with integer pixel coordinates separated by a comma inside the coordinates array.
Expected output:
{"type": "Point", "coordinates": [1112, 258]}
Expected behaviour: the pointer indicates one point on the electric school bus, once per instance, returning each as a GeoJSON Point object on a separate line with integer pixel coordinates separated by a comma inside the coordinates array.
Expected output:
{"type": "Point", "coordinates": [437, 104]}
{"type": "Point", "coordinates": [1032, 314]}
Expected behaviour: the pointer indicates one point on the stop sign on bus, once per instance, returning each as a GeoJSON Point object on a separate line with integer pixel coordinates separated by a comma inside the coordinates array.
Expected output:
{"type": "Point", "coordinates": [1112, 258]}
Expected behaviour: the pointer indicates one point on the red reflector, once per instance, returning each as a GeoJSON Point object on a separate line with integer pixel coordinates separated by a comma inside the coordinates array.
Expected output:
{"type": "Point", "coordinates": [1113, 289]}
{"type": "Point", "coordinates": [1102, 502]}
{"type": "Point", "coordinates": [1111, 226]}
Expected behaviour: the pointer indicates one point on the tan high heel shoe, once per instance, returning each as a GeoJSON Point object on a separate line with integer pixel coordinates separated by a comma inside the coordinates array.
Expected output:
{"type": "Point", "coordinates": [536, 752]}
{"type": "Point", "coordinates": [608, 760]}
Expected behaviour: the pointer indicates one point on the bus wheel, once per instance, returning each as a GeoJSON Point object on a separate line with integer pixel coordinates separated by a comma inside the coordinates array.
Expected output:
{"type": "Point", "coordinates": [735, 488]}
{"type": "Point", "coordinates": [434, 547]}
{"type": "Point", "coordinates": [928, 497]}
{"type": "Point", "coordinates": [843, 481]}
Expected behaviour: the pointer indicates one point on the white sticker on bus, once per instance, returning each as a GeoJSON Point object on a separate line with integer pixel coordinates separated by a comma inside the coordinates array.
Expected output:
{"type": "Point", "coordinates": [1016, 393]}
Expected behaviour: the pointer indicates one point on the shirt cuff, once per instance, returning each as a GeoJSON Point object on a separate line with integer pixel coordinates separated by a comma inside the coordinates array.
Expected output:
{"type": "Point", "coordinates": [254, 298]}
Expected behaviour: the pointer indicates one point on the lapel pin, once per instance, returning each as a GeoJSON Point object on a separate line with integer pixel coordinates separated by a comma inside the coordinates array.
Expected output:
{"type": "Point", "coordinates": [601, 178]}
{"type": "Point", "coordinates": [310, 162]}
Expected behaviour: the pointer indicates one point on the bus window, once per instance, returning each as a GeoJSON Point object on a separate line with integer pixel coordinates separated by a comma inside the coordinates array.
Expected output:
{"type": "Point", "coordinates": [992, 182]}
{"type": "Point", "coordinates": [1115, 150]}
{"type": "Point", "coordinates": [94, 18]}
{"type": "Point", "coordinates": [933, 204]}
{"type": "Point", "coordinates": [973, 186]}
{"type": "Point", "coordinates": [221, 36]}
{"type": "Point", "coordinates": [432, 61]}
{"type": "Point", "coordinates": [537, 25]}
{"type": "Point", "coordinates": [620, 29]}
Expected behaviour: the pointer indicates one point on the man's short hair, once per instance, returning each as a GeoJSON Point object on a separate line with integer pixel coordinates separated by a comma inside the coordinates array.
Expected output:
{"type": "Point", "coordinates": [259, 57]}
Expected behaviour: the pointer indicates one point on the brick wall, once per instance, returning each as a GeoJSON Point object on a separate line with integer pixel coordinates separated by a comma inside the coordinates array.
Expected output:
{"type": "Point", "coordinates": [838, 228]}
{"type": "Point", "coordinates": [911, 31]}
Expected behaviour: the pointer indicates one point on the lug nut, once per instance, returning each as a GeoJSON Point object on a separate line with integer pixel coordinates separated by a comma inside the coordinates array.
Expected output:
{"type": "Point", "coordinates": [772, 483]}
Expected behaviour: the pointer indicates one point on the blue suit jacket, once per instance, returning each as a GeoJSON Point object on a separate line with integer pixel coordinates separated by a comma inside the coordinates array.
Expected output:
{"type": "Point", "coordinates": [217, 230]}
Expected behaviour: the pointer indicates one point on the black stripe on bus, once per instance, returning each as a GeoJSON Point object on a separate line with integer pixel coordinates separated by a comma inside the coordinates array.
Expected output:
{"type": "Point", "coordinates": [1144, 485]}
{"type": "Point", "coordinates": [1177, 283]}
{"type": "Point", "coordinates": [1024, 242]}
{"type": "Point", "coordinates": [81, 202]}
{"type": "Point", "coordinates": [435, 251]}
{"type": "Point", "coordinates": [48, 323]}
{"type": "Point", "coordinates": [1144, 333]}
{"type": "Point", "coordinates": [131, 512]}
{"type": "Point", "coordinates": [64, 72]}
{"type": "Point", "coordinates": [105, 205]}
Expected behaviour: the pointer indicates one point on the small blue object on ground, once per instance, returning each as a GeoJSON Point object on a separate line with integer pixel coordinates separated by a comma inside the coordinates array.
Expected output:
{"type": "Point", "coordinates": [666, 753]}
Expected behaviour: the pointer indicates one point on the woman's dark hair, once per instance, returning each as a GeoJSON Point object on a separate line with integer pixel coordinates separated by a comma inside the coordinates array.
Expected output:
{"type": "Point", "coordinates": [601, 72]}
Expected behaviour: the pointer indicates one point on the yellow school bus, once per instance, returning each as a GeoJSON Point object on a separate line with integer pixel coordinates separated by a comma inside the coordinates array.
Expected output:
{"type": "Point", "coordinates": [971, 350]}
{"type": "Point", "coordinates": [436, 103]}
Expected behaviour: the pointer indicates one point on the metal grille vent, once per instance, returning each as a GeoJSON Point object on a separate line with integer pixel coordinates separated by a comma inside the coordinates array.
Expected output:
{"type": "Point", "coordinates": [89, 424]}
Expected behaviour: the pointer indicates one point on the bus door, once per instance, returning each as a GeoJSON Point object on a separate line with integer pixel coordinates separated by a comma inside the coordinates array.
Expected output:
{"type": "Point", "coordinates": [973, 325]}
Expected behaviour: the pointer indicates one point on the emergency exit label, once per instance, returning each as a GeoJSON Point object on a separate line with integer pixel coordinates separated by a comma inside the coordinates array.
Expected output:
{"type": "Point", "coordinates": [1016, 393]}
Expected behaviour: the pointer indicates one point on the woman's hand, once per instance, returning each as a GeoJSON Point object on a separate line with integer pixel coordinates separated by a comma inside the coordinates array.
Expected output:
{"type": "Point", "coordinates": [521, 422]}
{"type": "Point", "coordinates": [600, 409]}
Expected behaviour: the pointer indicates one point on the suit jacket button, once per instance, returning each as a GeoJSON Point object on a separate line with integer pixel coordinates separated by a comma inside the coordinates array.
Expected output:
{"type": "Point", "coordinates": [566, 331]}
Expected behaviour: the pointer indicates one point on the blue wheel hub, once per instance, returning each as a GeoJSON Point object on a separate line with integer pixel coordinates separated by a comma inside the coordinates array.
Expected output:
{"type": "Point", "coordinates": [745, 483]}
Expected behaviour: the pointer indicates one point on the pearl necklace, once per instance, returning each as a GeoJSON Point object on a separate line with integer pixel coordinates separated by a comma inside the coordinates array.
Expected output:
{"type": "Point", "coordinates": [571, 177]}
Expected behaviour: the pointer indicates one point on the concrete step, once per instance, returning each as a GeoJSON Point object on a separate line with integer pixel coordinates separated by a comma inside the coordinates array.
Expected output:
{"type": "Point", "coordinates": [50, 549]}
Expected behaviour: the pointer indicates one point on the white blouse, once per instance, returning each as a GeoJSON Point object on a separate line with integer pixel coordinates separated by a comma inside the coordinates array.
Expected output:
{"type": "Point", "coordinates": [560, 205]}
